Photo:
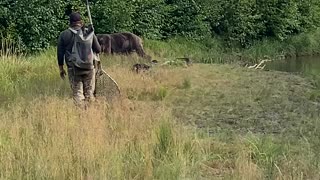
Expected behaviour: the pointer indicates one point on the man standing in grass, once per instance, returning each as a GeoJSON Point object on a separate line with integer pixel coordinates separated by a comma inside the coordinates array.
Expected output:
{"type": "Point", "coordinates": [81, 74]}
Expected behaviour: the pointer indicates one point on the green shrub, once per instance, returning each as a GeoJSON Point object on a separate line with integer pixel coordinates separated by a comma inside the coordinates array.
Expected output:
{"type": "Point", "coordinates": [36, 25]}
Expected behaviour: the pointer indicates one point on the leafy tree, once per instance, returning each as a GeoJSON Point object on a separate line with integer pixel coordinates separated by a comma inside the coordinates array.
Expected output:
{"type": "Point", "coordinates": [280, 18]}
{"type": "Point", "coordinates": [37, 23]}
{"type": "Point", "coordinates": [149, 18]}
{"type": "Point", "coordinates": [185, 18]}
{"type": "Point", "coordinates": [238, 22]}
{"type": "Point", "coordinates": [111, 16]}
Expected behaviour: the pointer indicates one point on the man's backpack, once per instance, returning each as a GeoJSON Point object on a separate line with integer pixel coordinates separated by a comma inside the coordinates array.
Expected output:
{"type": "Point", "coordinates": [82, 55]}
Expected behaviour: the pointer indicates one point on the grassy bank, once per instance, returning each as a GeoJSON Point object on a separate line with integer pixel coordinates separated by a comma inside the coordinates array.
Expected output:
{"type": "Point", "coordinates": [173, 122]}
{"type": "Point", "coordinates": [213, 50]}
{"type": "Point", "coordinates": [305, 44]}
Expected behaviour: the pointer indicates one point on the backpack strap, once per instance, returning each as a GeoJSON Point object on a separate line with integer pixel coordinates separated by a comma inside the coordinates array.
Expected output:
{"type": "Point", "coordinates": [73, 30]}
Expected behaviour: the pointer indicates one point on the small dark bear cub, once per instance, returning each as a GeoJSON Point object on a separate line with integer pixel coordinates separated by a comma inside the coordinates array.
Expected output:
{"type": "Point", "coordinates": [188, 61]}
{"type": "Point", "coordinates": [140, 67]}
{"type": "Point", "coordinates": [143, 67]}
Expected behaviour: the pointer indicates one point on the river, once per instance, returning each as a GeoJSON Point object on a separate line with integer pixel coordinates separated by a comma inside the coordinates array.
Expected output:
{"type": "Point", "coordinates": [305, 65]}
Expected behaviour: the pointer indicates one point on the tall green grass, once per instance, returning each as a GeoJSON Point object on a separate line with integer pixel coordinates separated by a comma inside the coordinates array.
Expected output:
{"type": "Point", "coordinates": [305, 44]}
{"type": "Point", "coordinates": [213, 50]}
{"type": "Point", "coordinates": [30, 76]}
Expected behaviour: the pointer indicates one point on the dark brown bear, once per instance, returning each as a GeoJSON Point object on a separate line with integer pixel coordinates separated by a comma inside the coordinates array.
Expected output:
{"type": "Point", "coordinates": [122, 43]}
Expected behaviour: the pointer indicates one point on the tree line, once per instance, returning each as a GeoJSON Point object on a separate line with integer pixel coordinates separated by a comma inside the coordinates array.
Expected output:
{"type": "Point", "coordinates": [36, 24]}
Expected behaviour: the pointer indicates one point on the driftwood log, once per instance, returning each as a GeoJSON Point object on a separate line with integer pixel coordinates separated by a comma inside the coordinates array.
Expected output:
{"type": "Point", "coordinates": [261, 65]}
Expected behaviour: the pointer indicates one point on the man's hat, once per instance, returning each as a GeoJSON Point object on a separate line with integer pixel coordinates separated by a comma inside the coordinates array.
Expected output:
{"type": "Point", "coordinates": [74, 17]}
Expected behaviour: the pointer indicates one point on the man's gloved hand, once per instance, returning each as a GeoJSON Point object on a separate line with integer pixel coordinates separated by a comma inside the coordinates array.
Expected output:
{"type": "Point", "coordinates": [63, 73]}
{"type": "Point", "coordinates": [90, 28]}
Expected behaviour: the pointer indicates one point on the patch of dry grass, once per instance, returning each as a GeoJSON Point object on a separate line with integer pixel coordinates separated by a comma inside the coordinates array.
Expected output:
{"type": "Point", "coordinates": [50, 138]}
{"type": "Point", "coordinates": [149, 133]}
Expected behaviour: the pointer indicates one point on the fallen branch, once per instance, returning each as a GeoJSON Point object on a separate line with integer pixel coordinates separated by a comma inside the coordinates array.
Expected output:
{"type": "Point", "coordinates": [261, 65]}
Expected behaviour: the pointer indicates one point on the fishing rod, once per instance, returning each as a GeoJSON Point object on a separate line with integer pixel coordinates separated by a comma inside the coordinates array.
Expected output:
{"type": "Point", "coordinates": [89, 13]}
{"type": "Point", "coordinates": [103, 71]}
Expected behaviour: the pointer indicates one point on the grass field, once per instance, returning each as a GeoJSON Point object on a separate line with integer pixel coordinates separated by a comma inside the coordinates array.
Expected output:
{"type": "Point", "coordinates": [206, 121]}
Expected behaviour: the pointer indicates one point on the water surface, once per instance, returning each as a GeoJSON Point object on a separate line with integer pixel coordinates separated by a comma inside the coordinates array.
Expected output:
{"type": "Point", "coordinates": [305, 65]}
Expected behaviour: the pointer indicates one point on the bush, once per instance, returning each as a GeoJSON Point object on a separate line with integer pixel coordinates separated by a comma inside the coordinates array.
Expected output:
{"type": "Point", "coordinates": [185, 18]}
{"type": "Point", "coordinates": [112, 16]}
{"type": "Point", "coordinates": [36, 24]}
